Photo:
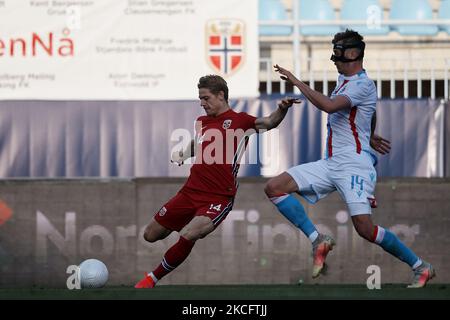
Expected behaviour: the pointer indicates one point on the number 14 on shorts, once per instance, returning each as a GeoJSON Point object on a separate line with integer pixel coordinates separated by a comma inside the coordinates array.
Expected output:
{"type": "Point", "coordinates": [357, 181]}
{"type": "Point", "coordinates": [215, 207]}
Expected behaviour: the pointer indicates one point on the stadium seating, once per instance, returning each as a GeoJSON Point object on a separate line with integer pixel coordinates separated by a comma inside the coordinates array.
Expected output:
{"type": "Point", "coordinates": [369, 10]}
{"type": "Point", "coordinates": [273, 10]}
{"type": "Point", "coordinates": [320, 10]}
{"type": "Point", "coordinates": [444, 13]}
{"type": "Point", "coordinates": [412, 10]}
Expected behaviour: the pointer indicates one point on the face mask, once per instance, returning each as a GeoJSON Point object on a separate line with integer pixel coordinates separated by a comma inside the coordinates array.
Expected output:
{"type": "Point", "coordinates": [339, 51]}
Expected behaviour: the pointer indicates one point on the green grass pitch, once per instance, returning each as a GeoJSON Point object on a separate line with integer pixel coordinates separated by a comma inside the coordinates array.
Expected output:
{"type": "Point", "coordinates": [232, 292]}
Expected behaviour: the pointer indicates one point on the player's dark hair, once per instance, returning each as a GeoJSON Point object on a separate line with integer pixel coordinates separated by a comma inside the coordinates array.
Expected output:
{"type": "Point", "coordinates": [215, 84]}
{"type": "Point", "coordinates": [348, 37]}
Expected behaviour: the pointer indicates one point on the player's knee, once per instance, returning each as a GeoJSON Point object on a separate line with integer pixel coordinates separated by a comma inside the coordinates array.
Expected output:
{"type": "Point", "coordinates": [272, 188]}
{"type": "Point", "coordinates": [198, 230]}
{"type": "Point", "coordinates": [151, 235]}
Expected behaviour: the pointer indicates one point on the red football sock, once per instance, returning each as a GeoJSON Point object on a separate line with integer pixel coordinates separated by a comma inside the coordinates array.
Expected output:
{"type": "Point", "coordinates": [174, 257]}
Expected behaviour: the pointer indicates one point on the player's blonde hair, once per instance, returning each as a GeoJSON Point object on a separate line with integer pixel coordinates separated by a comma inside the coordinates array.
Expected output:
{"type": "Point", "coordinates": [215, 84]}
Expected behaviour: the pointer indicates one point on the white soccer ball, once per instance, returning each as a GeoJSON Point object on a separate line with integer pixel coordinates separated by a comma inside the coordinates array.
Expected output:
{"type": "Point", "coordinates": [93, 274]}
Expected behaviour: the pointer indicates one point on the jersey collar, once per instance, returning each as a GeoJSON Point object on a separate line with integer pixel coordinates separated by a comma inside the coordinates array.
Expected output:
{"type": "Point", "coordinates": [360, 74]}
{"type": "Point", "coordinates": [225, 114]}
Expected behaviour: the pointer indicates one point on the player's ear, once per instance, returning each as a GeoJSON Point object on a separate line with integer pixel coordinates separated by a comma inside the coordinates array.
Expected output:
{"type": "Point", "coordinates": [221, 95]}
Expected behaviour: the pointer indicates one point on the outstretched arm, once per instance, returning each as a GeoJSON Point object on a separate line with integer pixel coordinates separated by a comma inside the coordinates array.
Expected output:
{"type": "Point", "coordinates": [180, 156]}
{"type": "Point", "coordinates": [377, 142]}
{"type": "Point", "coordinates": [321, 101]}
{"type": "Point", "coordinates": [275, 118]}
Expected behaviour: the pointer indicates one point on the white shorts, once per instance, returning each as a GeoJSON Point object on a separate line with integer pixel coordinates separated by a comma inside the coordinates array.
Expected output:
{"type": "Point", "coordinates": [352, 175]}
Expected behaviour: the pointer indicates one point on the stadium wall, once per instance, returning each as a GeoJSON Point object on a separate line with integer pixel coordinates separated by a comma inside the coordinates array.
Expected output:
{"type": "Point", "coordinates": [47, 225]}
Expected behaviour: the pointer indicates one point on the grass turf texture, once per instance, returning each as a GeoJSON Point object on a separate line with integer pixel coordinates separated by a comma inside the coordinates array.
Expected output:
{"type": "Point", "coordinates": [232, 292]}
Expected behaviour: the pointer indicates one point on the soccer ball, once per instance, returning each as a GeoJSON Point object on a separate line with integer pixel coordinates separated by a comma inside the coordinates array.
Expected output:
{"type": "Point", "coordinates": [93, 274]}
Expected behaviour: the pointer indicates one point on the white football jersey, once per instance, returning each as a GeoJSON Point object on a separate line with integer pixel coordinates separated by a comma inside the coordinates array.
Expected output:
{"type": "Point", "coordinates": [349, 129]}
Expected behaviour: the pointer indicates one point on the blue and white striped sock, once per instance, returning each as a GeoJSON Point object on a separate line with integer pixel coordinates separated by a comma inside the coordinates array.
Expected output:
{"type": "Point", "coordinates": [293, 210]}
{"type": "Point", "coordinates": [392, 244]}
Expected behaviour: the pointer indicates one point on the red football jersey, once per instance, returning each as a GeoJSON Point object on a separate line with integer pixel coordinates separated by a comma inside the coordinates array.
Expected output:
{"type": "Point", "coordinates": [221, 142]}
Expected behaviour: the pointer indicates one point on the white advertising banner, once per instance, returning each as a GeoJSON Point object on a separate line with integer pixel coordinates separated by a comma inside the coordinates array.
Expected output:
{"type": "Point", "coordinates": [126, 49]}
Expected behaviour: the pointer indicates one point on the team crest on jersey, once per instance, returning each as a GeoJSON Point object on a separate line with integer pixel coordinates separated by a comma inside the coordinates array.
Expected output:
{"type": "Point", "coordinates": [225, 43]}
{"type": "Point", "coordinates": [162, 211]}
{"type": "Point", "coordinates": [226, 124]}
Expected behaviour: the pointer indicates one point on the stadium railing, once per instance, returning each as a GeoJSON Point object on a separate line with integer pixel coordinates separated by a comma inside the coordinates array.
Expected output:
{"type": "Point", "coordinates": [418, 77]}
{"type": "Point", "coordinates": [296, 42]}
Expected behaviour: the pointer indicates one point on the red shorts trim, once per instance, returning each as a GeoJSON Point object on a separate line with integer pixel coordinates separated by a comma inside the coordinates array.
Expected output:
{"type": "Point", "coordinates": [185, 205]}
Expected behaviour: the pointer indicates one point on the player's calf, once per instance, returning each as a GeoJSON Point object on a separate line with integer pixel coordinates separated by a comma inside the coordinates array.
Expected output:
{"type": "Point", "coordinates": [423, 271]}
{"type": "Point", "coordinates": [171, 260]}
{"type": "Point", "coordinates": [364, 226]}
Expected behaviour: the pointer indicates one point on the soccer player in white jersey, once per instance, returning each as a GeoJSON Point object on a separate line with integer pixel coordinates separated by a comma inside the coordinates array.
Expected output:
{"type": "Point", "coordinates": [349, 163]}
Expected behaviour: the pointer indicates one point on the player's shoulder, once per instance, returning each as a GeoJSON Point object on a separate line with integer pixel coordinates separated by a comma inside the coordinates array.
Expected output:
{"type": "Point", "coordinates": [363, 83]}
{"type": "Point", "coordinates": [245, 117]}
{"type": "Point", "coordinates": [242, 114]}
{"type": "Point", "coordinates": [243, 120]}
{"type": "Point", "coordinates": [202, 118]}
{"type": "Point", "coordinates": [237, 115]}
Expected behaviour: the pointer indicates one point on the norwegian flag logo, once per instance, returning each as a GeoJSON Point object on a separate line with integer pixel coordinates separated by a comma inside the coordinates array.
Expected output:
{"type": "Point", "coordinates": [225, 45]}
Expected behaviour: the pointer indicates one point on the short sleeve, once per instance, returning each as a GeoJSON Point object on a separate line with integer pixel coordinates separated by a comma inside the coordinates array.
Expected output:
{"type": "Point", "coordinates": [248, 121]}
{"type": "Point", "coordinates": [356, 92]}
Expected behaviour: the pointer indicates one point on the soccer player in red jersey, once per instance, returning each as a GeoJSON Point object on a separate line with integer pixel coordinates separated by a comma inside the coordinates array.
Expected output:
{"type": "Point", "coordinates": [207, 196]}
